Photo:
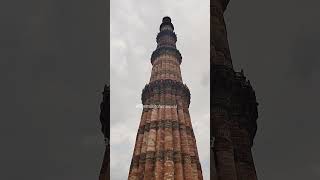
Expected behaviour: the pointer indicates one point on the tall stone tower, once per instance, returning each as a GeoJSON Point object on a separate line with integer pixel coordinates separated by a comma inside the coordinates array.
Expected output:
{"type": "Point", "coordinates": [105, 128]}
{"type": "Point", "coordinates": [233, 107]}
{"type": "Point", "coordinates": [165, 145]}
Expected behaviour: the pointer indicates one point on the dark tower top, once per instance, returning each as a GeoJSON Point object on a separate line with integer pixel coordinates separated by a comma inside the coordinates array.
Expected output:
{"type": "Point", "coordinates": [166, 24]}
{"type": "Point", "coordinates": [166, 41]}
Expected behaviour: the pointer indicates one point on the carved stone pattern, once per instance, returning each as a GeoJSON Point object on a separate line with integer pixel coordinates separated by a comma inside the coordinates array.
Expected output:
{"type": "Point", "coordinates": [166, 50]}
{"type": "Point", "coordinates": [163, 85]}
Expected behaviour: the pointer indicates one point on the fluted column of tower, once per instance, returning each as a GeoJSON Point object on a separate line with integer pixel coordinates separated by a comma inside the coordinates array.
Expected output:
{"type": "Point", "coordinates": [165, 145]}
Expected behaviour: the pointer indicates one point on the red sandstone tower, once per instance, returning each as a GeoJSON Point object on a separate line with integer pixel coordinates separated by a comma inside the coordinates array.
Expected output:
{"type": "Point", "coordinates": [165, 146]}
{"type": "Point", "coordinates": [233, 107]}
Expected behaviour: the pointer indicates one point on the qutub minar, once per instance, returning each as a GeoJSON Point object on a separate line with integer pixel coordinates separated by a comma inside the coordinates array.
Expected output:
{"type": "Point", "coordinates": [233, 107]}
{"type": "Point", "coordinates": [165, 147]}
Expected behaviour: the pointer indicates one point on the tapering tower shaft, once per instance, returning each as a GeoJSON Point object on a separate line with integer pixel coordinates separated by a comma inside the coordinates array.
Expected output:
{"type": "Point", "coordinates": [165, 145]}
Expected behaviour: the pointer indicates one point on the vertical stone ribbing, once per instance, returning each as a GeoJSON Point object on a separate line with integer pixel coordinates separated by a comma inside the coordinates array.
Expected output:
{"type": "Point", "coordinates": [160, 140]}
{"type": "Point", "coordinates": [137, 150]}
{"type": "Point", "coordinates": [187, 168]}
{"type": "Point", "coordinates": [165, 146]}
{"type": "Point", "coordinates": [176, 140]}
{"type": "Point", "coordinates": [142, 159]}
{"type": "Point", "coordinates": [168, 139]}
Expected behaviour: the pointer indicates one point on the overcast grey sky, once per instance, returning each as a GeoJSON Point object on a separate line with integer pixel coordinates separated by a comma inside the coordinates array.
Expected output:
{"type": "Point", "coordinates": [54, 64]}
{"type": "Point", "coordinates": [134, 27]}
